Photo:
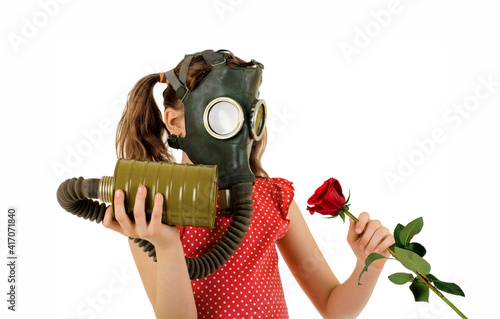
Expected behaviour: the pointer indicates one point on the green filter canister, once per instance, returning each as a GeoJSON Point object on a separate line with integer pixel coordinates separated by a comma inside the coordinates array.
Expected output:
{"type": "Point", "coordinates": [189, 191]}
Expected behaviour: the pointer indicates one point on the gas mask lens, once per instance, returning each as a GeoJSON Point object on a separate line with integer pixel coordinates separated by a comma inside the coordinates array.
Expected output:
{"type": "Point", "coordinates": [223, 118]}
{"type": "Point", "coordinates": [259, 113]}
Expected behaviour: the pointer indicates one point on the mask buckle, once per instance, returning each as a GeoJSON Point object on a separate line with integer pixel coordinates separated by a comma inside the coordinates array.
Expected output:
{"type": "Point", "coordinates": [180, 89]}
{"type": "Point", "coordinates": [220, 62]}
{"type": "Point", "coordinates": [186, 91]}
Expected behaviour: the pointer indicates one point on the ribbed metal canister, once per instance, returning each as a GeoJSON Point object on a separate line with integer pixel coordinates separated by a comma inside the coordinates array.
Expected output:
{"type": "Point", "coordinates": [189, 191]}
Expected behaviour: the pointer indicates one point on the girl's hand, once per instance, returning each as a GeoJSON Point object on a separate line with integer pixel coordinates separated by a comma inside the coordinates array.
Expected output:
{"type": "Point", "coordinates": [160, 235]}
{"type": "Point", "coordinates": [369, 236]}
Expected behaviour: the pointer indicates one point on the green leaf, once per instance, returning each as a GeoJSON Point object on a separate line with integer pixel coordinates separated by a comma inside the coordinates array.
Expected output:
{"type": "Point", "coordinates": [431, 277]}
{"type": "Point", "coordinates": [397, 231]}
{"type": "Point", "coordinates": [412, 261]}
{"type": "Point", "coordinates": [420, 291]}
{"type": "Point", "coordinates": [401, 278]}
{"type": "Point", "coordinates": [416, 248]}
{"type": "Point", "coordinates": [414, 227]}
{"type": "Point", "coordinates": [330, 216]}
{"type": "Point", "coordinates": [372, 257]}
{"type": "Point", "coordinates": [368, 261]}
{"type": "Point", "coordinates": [342, 215]}
{"type": "Point", "coordinates": [348, 197]}
{"type": "Point", "coordinates": [448, 287]}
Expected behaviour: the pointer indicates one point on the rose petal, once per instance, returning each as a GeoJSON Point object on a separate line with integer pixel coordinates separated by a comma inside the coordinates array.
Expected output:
{"type": "Point", "coordinates": [319, 194]}
{"type": "Point", "coordinates": [327, 212]}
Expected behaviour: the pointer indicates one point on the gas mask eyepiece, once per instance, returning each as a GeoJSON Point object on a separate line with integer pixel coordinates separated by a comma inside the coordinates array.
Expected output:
{"type": "Point", "coordinates": [258, 119]}
{"type": "Point", "coordinates": [224, 118]}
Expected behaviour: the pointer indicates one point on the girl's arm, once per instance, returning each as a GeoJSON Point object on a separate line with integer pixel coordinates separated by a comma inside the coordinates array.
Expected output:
{"type": "Point", "coordinates": [167, 281]}
{"type": "Point", "coordinates": [306, 262]}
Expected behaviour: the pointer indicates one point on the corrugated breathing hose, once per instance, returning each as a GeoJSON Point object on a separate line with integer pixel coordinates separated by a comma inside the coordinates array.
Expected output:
{"type": "Point", "coordinates": [74, 195]}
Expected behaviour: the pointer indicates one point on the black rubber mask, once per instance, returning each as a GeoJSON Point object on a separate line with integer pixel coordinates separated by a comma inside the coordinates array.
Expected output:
{"type": "Point", "coordinates": [223, 116]}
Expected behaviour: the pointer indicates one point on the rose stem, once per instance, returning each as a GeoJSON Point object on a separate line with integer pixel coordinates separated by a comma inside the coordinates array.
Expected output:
{"type": "Point", "coordinates": [423, 277]}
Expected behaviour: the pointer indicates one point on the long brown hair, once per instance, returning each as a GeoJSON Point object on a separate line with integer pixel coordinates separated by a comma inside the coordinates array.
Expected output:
{"type": "Point", "coordinates": [141, 133]}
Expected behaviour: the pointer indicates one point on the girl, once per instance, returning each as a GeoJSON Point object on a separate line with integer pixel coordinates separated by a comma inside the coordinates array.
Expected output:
{"type": "Point", "coordinates": [248, 285]}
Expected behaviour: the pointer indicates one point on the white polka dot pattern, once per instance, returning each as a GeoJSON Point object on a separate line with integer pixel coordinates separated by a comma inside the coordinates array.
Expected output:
{"type": "Point", "coordinates": [249, 284]}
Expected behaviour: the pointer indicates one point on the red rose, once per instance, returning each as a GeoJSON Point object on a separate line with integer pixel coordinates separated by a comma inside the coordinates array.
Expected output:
{"type": "Point", "coordinates": [328, 199]}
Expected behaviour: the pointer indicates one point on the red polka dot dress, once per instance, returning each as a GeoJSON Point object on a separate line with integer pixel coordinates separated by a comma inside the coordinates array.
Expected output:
{"type": "Point", "coordinates": [249, 284]}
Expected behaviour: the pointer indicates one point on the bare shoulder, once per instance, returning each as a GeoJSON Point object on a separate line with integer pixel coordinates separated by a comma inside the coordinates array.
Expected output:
{"type": "Point", "coordinates": [298, 231]}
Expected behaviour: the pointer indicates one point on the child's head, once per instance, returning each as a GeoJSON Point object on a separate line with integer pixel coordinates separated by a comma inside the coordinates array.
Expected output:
{"type": "Point", "coordinates": [142, 129]}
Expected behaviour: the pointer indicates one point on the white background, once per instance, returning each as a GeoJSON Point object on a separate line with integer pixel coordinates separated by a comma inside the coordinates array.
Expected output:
{"type": "Point", "coordinates": [68, 65]}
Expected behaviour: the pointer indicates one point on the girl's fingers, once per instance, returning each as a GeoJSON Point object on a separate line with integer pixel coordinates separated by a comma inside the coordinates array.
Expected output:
{"type": "Point", "coordinates": [156, 215]}
{"type": "Point", "coordinates": [377, 237]}
{"type": "Point", "coordinates": [363, 218]}
{"type": "Point", "coordinates": [356, 229]}
{"type": "Point", "coordinates": [109, 222]}
{"type": "Point", "coordinates": [140, 228]}
{"type": "Point", "coordinates": [371, 227]}
{"type": "Point", "coordinates": [370, 235]}
{"type": "Point", "coordinates": [386, 243]}
{"type": "Point", "coordinates": [139, 207]}
{"type": "Point", "coordinates": [121, 215]}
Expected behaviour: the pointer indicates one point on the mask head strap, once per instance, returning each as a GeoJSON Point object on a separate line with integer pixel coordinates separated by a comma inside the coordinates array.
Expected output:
{"type": "Point", "coordinates": [179, 83]}
{"type": "Point", "coordinates": [179, 87]}
{"type": "Point", "coordinates": [214, 58]}
{"type": "Point", "coordinates": [185, 67]}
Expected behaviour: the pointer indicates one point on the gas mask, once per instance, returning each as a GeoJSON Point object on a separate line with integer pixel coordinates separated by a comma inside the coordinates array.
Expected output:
{"type": "Point", "coordinates": [223, 116]}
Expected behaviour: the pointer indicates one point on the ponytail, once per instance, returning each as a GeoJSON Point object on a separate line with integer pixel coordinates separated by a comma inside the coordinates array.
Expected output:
{"type": "Point", "coordinates": [141, 129]}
